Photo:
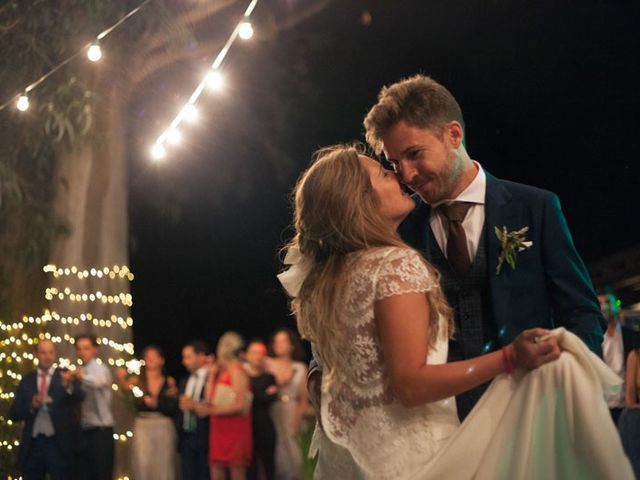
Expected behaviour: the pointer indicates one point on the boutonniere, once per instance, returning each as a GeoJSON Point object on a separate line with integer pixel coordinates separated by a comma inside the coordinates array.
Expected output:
{"type": "Point", "coordinates": [511, 243]}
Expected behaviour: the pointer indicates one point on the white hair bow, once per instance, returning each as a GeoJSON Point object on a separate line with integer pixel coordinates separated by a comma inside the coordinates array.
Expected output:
{"type": "Point", "coordinates": [292, 278]}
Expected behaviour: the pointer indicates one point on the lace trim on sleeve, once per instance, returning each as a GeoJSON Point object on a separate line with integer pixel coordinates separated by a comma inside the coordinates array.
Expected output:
{"type": "Point", "coordinates": [402, 271]}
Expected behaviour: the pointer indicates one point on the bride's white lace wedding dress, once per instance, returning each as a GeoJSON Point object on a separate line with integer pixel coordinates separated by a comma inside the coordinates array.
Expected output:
{"type": "Point", "coordinates": [548, 423]}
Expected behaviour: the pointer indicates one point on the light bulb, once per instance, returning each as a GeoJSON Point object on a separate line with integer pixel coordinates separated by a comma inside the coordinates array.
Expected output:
{"type": "Point", "coordinates": [158, 151]}
{"type": "Point", "coordinates": [173, 136]}
{"type": "Point", "coordinates": [189, 112]}
{"type": "Point", "coordinates": [245, 31]}
{"type": "Point", "coordinates": [94, 52]}
{"type": "Point", "coordinates": [23, 103]}
{"type": "Point", "coordinates": [215, 80]}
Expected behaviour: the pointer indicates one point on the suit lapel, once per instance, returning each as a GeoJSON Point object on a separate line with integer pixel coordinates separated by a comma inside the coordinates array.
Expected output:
{"type": "Point", "coordinates": [499, 212]}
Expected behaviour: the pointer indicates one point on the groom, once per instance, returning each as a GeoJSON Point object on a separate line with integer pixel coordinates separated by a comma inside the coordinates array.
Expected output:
{"type": "Point", "coordinates": [419, 126]}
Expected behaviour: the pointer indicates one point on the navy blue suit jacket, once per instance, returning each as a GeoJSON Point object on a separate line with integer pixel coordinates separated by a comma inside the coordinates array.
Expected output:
{"type": "Point", "coordinates": [550, 286]}
{"type": "Point", "coordinates": [64, 410]}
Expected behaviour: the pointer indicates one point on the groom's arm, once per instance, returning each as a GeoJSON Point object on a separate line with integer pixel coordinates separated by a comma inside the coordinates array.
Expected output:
{"type": "Point", "coordinates": [573, 300]}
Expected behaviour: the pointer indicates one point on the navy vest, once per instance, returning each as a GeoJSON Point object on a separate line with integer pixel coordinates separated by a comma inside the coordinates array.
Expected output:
{"type": "Point", "coordinates": [476, 331]}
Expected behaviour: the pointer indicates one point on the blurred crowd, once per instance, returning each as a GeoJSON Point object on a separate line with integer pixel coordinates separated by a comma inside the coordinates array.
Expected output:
{"type": "Point", "coordinates": [237, 414]}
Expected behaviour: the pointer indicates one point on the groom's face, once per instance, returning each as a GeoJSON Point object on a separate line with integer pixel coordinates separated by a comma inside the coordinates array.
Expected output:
{"type": "Point", "coordinates": [425, 160]}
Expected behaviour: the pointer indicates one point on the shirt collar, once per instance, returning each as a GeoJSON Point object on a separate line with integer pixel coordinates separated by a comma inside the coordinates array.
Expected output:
{"type": "Point", "coordinates": [475, 191]}
{"type": "Point", "coordinates": [199, 373]}
{"type": "Point", "coordinates": [49, 372]}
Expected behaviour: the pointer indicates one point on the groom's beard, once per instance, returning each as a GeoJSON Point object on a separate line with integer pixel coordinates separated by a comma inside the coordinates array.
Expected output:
{"type": "Point", "coordinates": [440, 185]}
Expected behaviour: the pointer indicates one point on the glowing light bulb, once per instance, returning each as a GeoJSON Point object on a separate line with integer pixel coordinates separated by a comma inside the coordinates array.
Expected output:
{"type": "Point", "coordinates": [189, 112]}
{"type": "Point", "coordinates": [173, 136]}
{"type": "Point", "coordinates": [94, 53]}
{"type": "Point", "coordinates": [245, 31]}
{"type": "Point", "coordinates": [23, 103]}
{"type": "Point", "coordinates": [215, 80]}
{"type": "Point", "coordinates": [158, 151]}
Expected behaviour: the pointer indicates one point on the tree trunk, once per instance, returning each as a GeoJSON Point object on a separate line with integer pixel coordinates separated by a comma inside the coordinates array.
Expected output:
{"type": "Point", "coordinates": [91, 196]}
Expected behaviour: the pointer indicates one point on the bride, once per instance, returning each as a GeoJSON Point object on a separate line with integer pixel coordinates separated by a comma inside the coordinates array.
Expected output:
{"type": "Point", "coordinates": [373, 311]}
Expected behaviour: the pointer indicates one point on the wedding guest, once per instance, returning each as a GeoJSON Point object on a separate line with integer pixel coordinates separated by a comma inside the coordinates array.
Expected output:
{"type": "Point", "coordinates": [265, 392]}
{"type": "Point", "coordinates": [48, 401]}
{"type": "Point", "coordinates": [629, 420]}
{"type": "Point", "coordinates": [287, 412]}
{"type": "Point", "coordinates": [614, 349]}
{"type": "Point", "coordinates": [193, 429]}
{"type": "Point", "coordinates": [154, 432]}
{"type": "Point", "coordinates": [229, 408]}
{"type": "Point", "coordinates": [95, 455]}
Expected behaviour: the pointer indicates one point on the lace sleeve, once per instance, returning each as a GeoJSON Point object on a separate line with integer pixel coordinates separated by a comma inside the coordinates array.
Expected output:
{"type": "Point", "coordinates": [402, 271]}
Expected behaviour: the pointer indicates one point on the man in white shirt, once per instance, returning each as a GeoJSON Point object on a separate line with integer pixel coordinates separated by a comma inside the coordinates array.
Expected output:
{"type": "Point", "coordinates": [95, 457]}
{"type": "Point", "coordinates": [193, 429]}
{"type": "Point", "coordinates": [613, 350]}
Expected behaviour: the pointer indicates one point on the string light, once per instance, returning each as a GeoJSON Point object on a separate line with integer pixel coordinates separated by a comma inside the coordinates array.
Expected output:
{"type": "Point", "coordinates": [53, 292]}
{"type": "Point", "coordinates": [174, 136]}
{"type": "Point", "coordinates": [246, 30]}
{"type": "Point", "coordinates": [189, 112]}
{"type": "Point", "coordinates": [72, 56]}
{"type": "Point", "coordinates": [213, 79]}
{"type": "Point", "coordinates": [23, 103]}
{"type": "Point", "coordinates": [113, 272]}
{"type": "Point", "coordinates": [94, 52]}
{"type": "Point", "coordinates": [158, 152]}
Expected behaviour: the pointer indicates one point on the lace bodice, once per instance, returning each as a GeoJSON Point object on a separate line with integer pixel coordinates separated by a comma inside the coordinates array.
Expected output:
{"type": "Point", "coordinates": [359, 408]}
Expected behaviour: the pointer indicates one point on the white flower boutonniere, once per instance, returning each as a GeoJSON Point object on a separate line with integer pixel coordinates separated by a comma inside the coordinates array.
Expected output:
{"type": "Point", "coordinates": [511, 243]}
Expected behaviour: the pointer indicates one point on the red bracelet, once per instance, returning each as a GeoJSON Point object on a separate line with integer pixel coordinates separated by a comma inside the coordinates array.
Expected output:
{"type": "Point", "coordinates": [506, 362]}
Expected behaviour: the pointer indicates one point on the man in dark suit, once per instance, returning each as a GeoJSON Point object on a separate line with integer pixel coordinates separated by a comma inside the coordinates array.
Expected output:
{"type": "Point", "coordinates": [505, 253]}
{"type": "Point", "coordinates": [194, 429]}
{"type": "Point", "coordinates": [48, 401]}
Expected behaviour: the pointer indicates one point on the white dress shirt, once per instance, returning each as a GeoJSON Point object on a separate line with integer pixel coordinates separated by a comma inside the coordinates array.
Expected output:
{"type": "Point", "coordinates": [96, 407]}
{"type": "Point", "coordinates": [42, 423]}
{"type": "Point", "coordinates": [193, 389]}
{"type": "Point", "coordinates": [472, 223]}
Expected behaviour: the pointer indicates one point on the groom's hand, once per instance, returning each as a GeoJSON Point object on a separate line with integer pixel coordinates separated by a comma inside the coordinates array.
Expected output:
{"type": "Point", "coordinates": [535, 347]}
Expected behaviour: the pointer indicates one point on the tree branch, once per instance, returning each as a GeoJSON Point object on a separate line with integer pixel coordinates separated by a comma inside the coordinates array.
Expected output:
{"type": "Point", "coordinates": [298, 17]}
{"type": "Point", "coordinates": [160, 59]}
{"type": "Point", "coordinates": [202, 11]}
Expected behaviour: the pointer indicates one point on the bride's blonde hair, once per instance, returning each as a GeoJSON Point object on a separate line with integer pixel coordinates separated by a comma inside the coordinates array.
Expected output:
{"type": "Point", "coordinates": [336, 213]}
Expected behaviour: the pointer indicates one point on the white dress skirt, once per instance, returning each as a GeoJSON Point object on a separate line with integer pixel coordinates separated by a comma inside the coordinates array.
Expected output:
{"type": "Point", "coordinates": [549, 423]}
{"type": "Point", "coordinates": [154, 455]}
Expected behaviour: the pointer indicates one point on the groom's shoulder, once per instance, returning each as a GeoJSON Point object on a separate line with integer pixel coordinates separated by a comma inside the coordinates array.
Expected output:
{"type": "Point", "coordinates": [521, 191]}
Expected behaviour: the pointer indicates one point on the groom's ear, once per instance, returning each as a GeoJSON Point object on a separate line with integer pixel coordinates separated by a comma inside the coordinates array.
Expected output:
{"type": "Point", "coordinates": [454, 133]}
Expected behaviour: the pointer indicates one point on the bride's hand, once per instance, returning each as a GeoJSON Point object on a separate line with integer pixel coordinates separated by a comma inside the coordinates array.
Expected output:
{"type": "Point", "coordinates": [533, 348]}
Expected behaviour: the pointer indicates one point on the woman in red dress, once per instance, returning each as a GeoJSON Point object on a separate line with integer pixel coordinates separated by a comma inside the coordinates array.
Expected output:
{"type": "Point", "coordinates": [229, 407]}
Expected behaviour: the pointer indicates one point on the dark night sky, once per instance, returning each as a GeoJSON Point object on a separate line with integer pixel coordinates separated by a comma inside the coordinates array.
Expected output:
{"type": "Point", "coordinates": [548, 90]}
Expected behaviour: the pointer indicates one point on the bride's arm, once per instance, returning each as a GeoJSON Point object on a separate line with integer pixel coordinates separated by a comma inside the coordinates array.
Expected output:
{"type": "Point", "coordinates": [404, 331]}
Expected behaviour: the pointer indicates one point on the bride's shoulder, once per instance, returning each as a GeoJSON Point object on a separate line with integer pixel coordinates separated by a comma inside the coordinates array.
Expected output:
{"type": "Point", "coordinates": [375, 257]}
{"type": "Point", "coordinates": [388, 253]}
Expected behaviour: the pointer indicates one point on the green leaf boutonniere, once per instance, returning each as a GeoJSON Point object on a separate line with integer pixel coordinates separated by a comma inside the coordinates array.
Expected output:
{"type": "Point", "coordinates": [511, 243]}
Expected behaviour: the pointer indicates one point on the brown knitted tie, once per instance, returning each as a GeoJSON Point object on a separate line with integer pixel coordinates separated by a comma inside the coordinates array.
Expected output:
{"type": "Point", "coordinates": [457, 252]}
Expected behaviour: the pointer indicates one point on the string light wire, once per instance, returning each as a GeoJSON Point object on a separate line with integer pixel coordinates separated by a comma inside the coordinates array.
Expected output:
{"type": "Point", "coordinates": [103, 34]}
{"type": "Point", "coordinates": [158, 150]}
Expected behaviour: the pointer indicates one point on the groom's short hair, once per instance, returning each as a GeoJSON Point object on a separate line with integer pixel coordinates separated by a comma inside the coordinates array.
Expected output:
{"type": "Point", "coordinates": [419, 100]}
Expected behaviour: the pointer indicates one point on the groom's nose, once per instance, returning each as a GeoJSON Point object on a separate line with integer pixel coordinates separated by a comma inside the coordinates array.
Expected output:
{"type": "Point", "coordinates": [405, 172]}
